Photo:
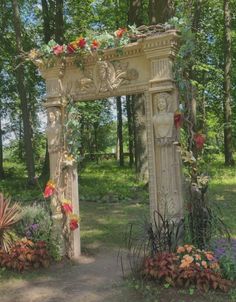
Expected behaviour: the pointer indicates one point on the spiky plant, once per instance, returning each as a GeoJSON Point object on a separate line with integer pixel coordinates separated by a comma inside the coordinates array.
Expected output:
{"type": "Point", "coordinates": [9, 215]}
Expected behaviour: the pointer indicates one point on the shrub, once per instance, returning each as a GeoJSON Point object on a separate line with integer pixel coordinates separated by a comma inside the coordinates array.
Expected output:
{"type": "Point", "coordinates": [9, 215]}
{"type": "Point", "coordinates": [25, 254]}
{"type": "Point", "coordinates": [36, 225]}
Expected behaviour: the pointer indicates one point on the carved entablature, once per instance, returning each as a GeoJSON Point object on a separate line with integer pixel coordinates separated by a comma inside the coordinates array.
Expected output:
{"type": "Point", "coordinates": [139, 67]}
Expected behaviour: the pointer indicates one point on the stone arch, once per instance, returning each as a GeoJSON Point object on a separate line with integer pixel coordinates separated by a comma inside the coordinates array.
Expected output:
{"type": "Point", "coordinates": [144, 67]}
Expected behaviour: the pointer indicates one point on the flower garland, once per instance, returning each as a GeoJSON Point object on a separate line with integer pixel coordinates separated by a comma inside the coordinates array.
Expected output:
{"type": "Point", "coordinates": [66, 204]}
{"type": "Point", "coordinates": [85, 45]}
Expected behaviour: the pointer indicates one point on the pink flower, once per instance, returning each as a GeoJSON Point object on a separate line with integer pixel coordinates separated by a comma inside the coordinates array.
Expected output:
{"type": "Point", "coordinates": [58, 49]}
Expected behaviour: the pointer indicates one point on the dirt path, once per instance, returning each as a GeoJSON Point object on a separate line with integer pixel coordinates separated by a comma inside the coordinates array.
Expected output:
{"type": "Point", "coordinates": [93, 279]}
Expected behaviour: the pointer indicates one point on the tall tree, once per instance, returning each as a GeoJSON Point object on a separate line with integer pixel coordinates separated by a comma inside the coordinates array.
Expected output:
{"type": "Point", "coordinates": [120, 151]}
{"type": "Point", "coordinates": [21, 87]}
{"type": "Point", "coordinates": [134, 12]}
{"type": "Point", "coordinates": [160, 11]}
{"type": "Point", "coordinates": [228, 146]}
{"type": "Point", "coordinates": [130, 122]}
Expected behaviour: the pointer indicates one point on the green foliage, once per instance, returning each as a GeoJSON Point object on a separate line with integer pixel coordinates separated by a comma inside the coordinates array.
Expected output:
{"type": "Point", "coordinates": [228, 265]}
{"type": "Point", "coordinates": [36, 225]}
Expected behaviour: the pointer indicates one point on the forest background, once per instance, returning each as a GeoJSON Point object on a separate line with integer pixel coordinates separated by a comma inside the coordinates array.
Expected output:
{"type": "Point", "coordinates": [205, 74]}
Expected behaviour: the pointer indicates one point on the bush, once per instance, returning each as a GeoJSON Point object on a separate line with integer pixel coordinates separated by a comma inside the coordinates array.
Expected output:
{"type": "Point", "coordinates": [36, 225]}
{"type": "Point", "coordinates": [25, 254]}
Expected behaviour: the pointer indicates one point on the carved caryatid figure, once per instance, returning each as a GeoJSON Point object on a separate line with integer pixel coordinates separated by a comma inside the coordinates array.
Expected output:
{"type": "Point", "coordinates": [166, 157]}
{"type": "Point", "coordinates": [54, 129]}
{"type": "Point", "coordinates": [163, 120]}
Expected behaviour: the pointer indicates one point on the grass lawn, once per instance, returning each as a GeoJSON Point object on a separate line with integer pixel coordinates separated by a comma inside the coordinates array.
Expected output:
{"type": "Point", "coordinates": [111, 199]}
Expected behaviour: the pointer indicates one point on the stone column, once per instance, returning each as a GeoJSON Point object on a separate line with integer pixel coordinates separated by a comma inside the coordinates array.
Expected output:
{"type": "Point", "coordinates": [165, 181]}
{"type": "Point", "coordinates": [64, 173]}
{"type": "Point", "coordinates": [54, 133]}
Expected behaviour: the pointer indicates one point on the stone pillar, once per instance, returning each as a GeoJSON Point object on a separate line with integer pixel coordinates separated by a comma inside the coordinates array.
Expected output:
{"type": "Point", "coordinates": [165, 181]}
{"type": "Point", "coordinates": [54, 133]}
{"type": "Point", "coordinates": [64, 173]}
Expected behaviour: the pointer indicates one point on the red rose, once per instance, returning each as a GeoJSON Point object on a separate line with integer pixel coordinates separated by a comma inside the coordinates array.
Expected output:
{"type": "Point", "coordinates": [199, 140]}
{"type": "Point", "coordinates": [178, 119]}
{"type": "Point", "coordinates": [73, 224]}
{"type": "Point", "coordinates": [70, 48]}
{"type": "Point", "coordinates": [49, 189]}
{"type": "Point", "coordinates": [58, 49]}
{"type": "Point", "coordinates": [81, 42]}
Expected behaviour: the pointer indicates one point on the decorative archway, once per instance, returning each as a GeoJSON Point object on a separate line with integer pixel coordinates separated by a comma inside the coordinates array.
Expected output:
{"type": "Point", "coordinates": [144, 66]}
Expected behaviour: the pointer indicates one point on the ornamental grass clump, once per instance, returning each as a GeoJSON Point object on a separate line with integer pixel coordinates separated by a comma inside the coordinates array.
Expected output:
{"type": "Point", "coordinates": [10, 214]}
{"type": "Point", "coordinates": [187, 267]}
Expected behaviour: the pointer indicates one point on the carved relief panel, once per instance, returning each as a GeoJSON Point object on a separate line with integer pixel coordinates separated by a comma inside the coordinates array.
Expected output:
{"type": "Point", "coordinates": [104, 77]}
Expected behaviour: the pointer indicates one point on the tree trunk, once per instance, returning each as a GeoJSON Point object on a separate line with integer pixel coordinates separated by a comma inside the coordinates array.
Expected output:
{"type": "Point", "coordinates": [120, 131]}
{"type": "Point", "coordinates": [23, 99]}
{"type": "Point", "coordinates": [59, 22]}
{"type": "Point", "coordinates": [134, 13]}
{"type": "Point", "coordinates": [141, 160]}
{"type": "Point", "coordinates": [1, 150]}
{"type": "Point", "coordinates": [160, 11]}
{"type": "Point", "coordinates": [130, 130]}
{"type": "Point", "coordinates": [47, 28]}
{"type": "Point", "coordinates": [228, 146]}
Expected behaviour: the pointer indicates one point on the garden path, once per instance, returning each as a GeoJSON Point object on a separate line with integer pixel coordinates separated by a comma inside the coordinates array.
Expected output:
{"type": "Point", "coordinates": [94, 279]}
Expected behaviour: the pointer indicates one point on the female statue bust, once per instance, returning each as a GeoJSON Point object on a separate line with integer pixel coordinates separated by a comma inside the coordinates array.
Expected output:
{"type": "Point", "coordinates": [54, 130]}
{"type": "Point", "coordinates": [163, 120]}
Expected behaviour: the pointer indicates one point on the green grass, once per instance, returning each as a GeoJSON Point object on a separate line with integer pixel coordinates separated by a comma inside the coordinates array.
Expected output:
{"type": "Point", "coordinates": [222, 191]}
{"type": "Point", "coordinates": [107, 182]}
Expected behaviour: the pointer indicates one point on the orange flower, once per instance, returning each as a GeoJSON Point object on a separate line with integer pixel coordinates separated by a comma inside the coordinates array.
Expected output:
{"type": "Point", "coordinates": [94, 45]}
{"type": "Point", "coordinates": [119, 32]}
{"type": "Point", "coordinates": [209, 256]}
{"type": "Point", "coordinates": [204, 264]}
{"type": "Point", "coordinates": [186, 261]}
{"type": "Point", "coordinates": [180, 249]}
